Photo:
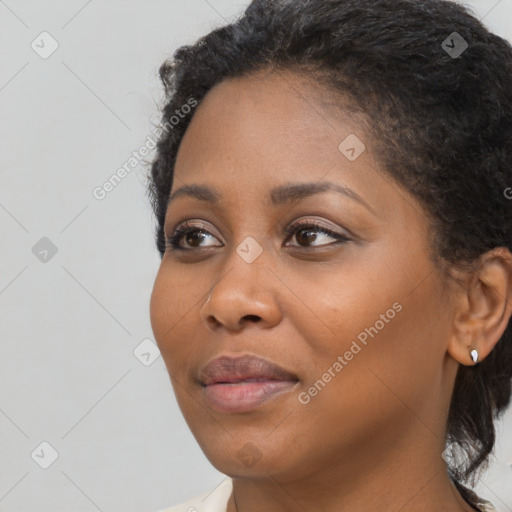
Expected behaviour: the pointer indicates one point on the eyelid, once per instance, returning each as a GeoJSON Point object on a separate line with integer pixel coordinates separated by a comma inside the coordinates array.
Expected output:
{"type": "Point", "coordinates": [195, 224]}
{"type": "Point", "coordinates": [202, 225]}
{"type": "Point", "coordinates": [308, 221]}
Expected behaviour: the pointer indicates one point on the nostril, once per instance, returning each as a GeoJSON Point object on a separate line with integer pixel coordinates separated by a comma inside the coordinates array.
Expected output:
{"type": "Point", "coordinates": [254, 318]}
{"type": "Point", "coordinates": [211, 319]}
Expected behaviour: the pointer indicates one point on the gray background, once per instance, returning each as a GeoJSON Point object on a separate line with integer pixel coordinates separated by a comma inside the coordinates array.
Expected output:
{"type": "Point", "coordinates": [70, 324]}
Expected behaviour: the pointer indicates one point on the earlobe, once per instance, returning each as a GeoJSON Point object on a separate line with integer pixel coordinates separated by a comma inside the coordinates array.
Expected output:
{"type": "Point", "coordinates": [484, 308]}
{"type": "Point", "coordinates": [465, 350]}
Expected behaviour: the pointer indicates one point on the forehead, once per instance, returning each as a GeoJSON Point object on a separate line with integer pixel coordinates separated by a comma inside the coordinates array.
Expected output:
{"type": "Point", "coordinates": [274, 122]}
{"type": "Point", "coordinates": [254, 133]}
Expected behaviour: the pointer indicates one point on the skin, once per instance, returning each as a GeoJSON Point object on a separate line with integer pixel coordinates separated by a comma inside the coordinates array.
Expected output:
{"type": "Point", "coordinates": [372, 438]}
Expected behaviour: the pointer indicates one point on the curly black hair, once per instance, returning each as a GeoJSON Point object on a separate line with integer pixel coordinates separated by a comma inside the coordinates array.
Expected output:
{"type": "Point", "coordinates": [436, 88]}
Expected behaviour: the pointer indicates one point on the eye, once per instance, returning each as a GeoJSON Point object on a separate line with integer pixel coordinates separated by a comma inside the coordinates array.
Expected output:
{"type": "Point", "coordinates": [310, 232]}
{"type": "Point", "coordinates": [192, 234]}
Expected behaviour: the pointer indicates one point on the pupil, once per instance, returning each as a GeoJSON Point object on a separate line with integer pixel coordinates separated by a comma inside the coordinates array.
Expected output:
{"type": "Point", "coordinates": [310, 236]}
{"type": "Point", "coordinates": [198, 236]}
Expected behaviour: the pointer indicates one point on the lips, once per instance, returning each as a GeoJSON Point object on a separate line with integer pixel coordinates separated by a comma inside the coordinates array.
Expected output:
{"type": "Point", "coordinates": [241, 384]}
{"type": "Point", "coordinates": [223, 370]}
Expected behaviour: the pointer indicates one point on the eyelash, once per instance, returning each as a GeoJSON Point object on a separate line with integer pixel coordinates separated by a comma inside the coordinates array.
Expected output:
{"type": "Point", "coordinates": [185, 229]}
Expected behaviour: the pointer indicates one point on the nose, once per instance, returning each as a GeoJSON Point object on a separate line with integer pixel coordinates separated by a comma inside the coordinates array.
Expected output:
{"type": "Point", "coordinates": [246, 292]}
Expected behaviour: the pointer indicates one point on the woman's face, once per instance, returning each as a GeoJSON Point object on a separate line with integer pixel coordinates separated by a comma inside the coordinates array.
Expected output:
{"type": "Point", "coordinates": [359, 319]}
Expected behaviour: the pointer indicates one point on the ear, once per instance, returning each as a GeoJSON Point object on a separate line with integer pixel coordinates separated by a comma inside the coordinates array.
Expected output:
{"type": "Point", "coordinates": [483, 307]}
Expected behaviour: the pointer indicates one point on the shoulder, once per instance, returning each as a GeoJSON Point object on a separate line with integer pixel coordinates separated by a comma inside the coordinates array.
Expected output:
{"type": "Point", "coordinates": [215, 500]}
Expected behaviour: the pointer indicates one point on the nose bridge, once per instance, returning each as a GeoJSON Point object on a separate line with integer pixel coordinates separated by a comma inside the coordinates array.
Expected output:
{"type": "Point", "coordinates": [245, 288]}
{"type": "Point", "coordinates": [246, 267]}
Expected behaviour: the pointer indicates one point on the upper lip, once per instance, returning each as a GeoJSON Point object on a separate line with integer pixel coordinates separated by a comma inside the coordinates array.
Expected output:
{"type": "Point", "coordinates": [242, 368]}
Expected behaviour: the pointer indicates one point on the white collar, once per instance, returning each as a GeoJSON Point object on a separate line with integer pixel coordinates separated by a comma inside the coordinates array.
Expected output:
{"type": "Point", "coordinates": [211, 501]}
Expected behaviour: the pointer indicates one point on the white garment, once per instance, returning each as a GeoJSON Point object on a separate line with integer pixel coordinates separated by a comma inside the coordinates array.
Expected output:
{"type": "Point", "coordinates": [488, 508]}
{"type": "Point", "coordinates": [212, 501]}
{"type": "Point", "coordinates": [217, 501]}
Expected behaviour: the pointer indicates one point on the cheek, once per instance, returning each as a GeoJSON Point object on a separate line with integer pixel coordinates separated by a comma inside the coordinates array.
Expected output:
{"type": "Point", "coordinates": [376, 388]}
{"type": "Point", "coordinates": [160, 307]}
{"type": "Point", "coordinates": [175, 305]}
{"type": "Point", "coordinates": [379, 323]}
{"type": "Point", "coordinates": [173, 297]}
{"type": "Point", "coordinates": [167, 309]}
{"type": "Point", "coordinates": [330, 310]}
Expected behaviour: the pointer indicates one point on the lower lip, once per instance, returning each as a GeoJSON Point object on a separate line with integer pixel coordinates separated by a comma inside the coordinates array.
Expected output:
{"type": "Point", "coordinates": [244, 396]}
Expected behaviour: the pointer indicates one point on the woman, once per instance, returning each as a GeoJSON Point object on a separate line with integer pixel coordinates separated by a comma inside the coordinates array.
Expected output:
{"type": "Point", "coordinates": [334, 298]}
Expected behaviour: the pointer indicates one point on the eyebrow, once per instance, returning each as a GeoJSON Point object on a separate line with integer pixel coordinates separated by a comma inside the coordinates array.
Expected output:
{"type": "Point", "coordinates": [282, 194]}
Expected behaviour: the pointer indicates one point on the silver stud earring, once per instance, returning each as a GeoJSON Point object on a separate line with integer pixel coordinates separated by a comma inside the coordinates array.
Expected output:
{"type": "Point", "coordinates": [474, 355]}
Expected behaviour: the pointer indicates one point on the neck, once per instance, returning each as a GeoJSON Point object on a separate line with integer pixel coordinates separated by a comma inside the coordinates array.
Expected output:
{"type": "Point", "coordinates": [402, 476]}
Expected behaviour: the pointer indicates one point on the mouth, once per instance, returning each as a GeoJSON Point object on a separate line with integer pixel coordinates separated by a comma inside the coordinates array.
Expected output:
{"type": "Point", "coordinates": [243, 383]}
